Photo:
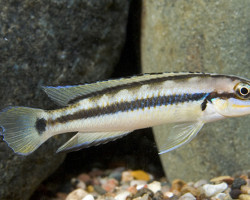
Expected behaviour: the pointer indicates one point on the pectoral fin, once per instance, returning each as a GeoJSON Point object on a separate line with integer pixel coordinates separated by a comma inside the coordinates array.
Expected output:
{"type": "Point", "coordinates": [179, 135]}
{"type": "Point", "coordinates": [84, 140]}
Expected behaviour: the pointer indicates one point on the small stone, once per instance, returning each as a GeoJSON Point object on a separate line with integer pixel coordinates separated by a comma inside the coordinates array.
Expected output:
{"type": "Point", "coordinates": [219, 196]}
{"type": "Point", "coordinates": [90, 188]}
{"type": "Point", "coordinates": [78, 183]}
{"type": "Point", "coordinates": [227, 179]}
{"type": "Point", "coordinates": [84, 178]}
{"type": "Point", "coordinates": [235, 193]}
{"type": "Point", "coordinates": [127, 176]}
{"type": "Point", "coordinates": [132, 189]}
{"type": "Point", "coordinates": [158, 196]}
{"type": "Point", "coordinates": [110, 185]}
{"type": "Point", "coordinates": [244, 197]}
{"type": "Point", "coordinates": [238, 182]}
{"type": "Point", "coordinates": [89, 197]}
{"type": "Point", "coordinates": [138, 183]}
{"type": "Point", "coordinates": [140, 175]}
{"type": "Point", "coordinates": [189, 189]}
{"type": "Point", "coordinates": [245, 189]}
{"type": "Point", "coordinates": [177, 185]}
{"type": "Point", "coordinates": [137, 198]}
{"type": "Point", "coordinates": [168, 194]}
{"type": "Point", "coordinates": [145, 197]}
{"type": "Point", "coordinates": [227, 197]}
{"type": "Point", "coordinates": [200, 183]}
{"type": "Point", "coordinates": [154, 186]}
{"type": "Point", "coordinates": [143, 191]}
{"type": "Point", "coordinates": [116, 175]}
{"type": "Point", "coordinates": [187, 196]}
{"type": "Point", "coordinates": [211, 190]}
{"type": "Point", "coordinates": [99, 190]}
{"type": "Point", "coordinates": [123, 195]}
{"type": "Point", "coordinates": [61, 195]}
{"type": "Point", "coordinates": [77, 194]}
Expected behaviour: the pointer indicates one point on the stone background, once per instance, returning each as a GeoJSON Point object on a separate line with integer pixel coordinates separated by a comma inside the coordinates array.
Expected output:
{"type": "Point", "coordinates": [207, 36]}
{"type": "Point", "coordinates": [51, 43]}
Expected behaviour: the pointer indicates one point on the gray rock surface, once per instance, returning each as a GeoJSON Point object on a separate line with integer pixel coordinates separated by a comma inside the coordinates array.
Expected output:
{"type": "Point", "coordinates": [51, 43]}
{"type": "Point", "coordinates": [208, 36]}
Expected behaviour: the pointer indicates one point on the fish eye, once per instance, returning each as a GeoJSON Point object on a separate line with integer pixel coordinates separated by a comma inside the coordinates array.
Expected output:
{"type": "Point", "coordinates": [243, 90]}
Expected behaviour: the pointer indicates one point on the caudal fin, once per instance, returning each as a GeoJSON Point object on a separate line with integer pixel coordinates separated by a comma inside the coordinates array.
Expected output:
{"type": "Point", "coordinates": [20, 128]}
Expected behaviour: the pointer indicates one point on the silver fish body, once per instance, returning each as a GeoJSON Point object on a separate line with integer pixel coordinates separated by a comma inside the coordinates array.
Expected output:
{"type": "Point", "coordinates": [107, 110]}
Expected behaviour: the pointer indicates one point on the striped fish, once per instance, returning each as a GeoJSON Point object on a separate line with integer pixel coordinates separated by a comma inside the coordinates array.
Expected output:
{"type": "Point", "coordinates": [104, 111]}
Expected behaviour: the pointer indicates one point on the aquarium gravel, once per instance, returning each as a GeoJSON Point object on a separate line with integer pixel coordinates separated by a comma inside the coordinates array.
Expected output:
{"type": "Point", "coordinates": [125, 184]}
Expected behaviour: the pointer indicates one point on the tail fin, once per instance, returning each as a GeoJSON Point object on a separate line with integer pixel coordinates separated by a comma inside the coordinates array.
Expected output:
{"type": "Point", "coordinates": [19, 129]}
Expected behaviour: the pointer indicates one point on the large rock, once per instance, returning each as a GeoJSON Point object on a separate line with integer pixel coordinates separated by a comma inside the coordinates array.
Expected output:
{"type": "Point", "coordinates": [51, 43]}
{"type": "Point", "coordinates": [207, 36]}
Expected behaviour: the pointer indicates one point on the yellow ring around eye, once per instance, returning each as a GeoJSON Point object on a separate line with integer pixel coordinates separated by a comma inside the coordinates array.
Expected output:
{"type": "Point", "coordinates": [242, 90]}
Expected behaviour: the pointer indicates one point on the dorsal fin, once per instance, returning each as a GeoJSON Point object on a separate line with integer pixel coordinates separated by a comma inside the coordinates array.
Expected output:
{"type": "Point", "coordinates": [64, 94]}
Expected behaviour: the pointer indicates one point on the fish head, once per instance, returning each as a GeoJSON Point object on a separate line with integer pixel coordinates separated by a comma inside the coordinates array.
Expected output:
{"type": "Point", "coordinates": [235, 101]}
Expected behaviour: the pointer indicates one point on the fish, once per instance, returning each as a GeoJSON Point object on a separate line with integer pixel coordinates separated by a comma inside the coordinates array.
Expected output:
{"type": "Point", "coordinates": [104, 111]}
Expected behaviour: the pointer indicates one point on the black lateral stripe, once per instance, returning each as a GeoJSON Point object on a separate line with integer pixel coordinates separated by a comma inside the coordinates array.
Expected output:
{"type": "Point", "coordinates": [149, 81]}
{"type": "Point", "coordinates": [130, 106]}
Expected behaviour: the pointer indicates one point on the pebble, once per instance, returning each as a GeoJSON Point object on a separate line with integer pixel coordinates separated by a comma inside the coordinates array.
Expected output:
{"type": "Point", "coordinates": [132, 189]}
{"type": "Point", "coordinates": [77, 194]}
{"type": "Point", "coordinates": [189, 189]}
{"type": "Point", "coordinates": [143, 191]}
{"type": "Point", "coordinates": [238, 182]}
{"type": "Point", "coordinates": [235, 193]}
{"type": "Point", "coordinates": [78, 183]}
{"type": "Point", "coordinates": [89, 197]}
{"type": "Point", "coordinates": [227, 179]}
{"type": "Point", "coordinates": [211, 190]}
{"type": "Point", "coordinates": [99, 190]}
{"type": "Point", "coordinates": [168, 195]}
{"type": "Point", "coordinates": [122, 196]}
{"type": "Point", "coordinates": [127, 176]}
{"type": "Point", "coordinates": [146, 197]}
{"type": "Point", "coordinates": [90, 189]}
{"type": "Point", "coordinates": [110, 185]}
{"type": "Point", "coordinates": [245, 189]}
{"type": "Point", "coordinates": [244, 197]}
{"type": "Point", "coordinates": [138, 183]}
{"type": "Point", "coordinates": [158, 196]}
{"type": "Point", "coordinates": [154, 186]}
{"type": "Point", "coordinates": [187, 196]}
{"type": "Point", "coordinates": [200, 183]}
{"type": "Point", "coordinates": [116, 175]}
{"type": "Point", "coordinates": [140, 175]}
{"type": "Point", "coordinates": [177, 185]}
{"type": "Point", "coordinates": [219, 196]}
{"type": "Point", "coordinates": [84, 178]}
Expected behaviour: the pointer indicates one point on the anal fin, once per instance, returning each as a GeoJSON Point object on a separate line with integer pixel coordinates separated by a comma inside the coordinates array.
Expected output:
{"type": "Point", "coordinates": [85, 140]}
{"type": "Point", "coordinates": [179, 135]}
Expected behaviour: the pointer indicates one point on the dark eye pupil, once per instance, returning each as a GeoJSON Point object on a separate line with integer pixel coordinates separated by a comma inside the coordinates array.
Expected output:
{"type": "Point", "coordinates": [244, 91]}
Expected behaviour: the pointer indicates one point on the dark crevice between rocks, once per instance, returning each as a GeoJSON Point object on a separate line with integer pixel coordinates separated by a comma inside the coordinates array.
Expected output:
{"type": "Point", "coordinates": [135, 151]}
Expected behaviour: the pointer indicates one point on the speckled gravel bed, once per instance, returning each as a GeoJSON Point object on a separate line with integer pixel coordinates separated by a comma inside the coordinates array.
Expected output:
{"type": "Point", "coordinates": [124, 184]}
